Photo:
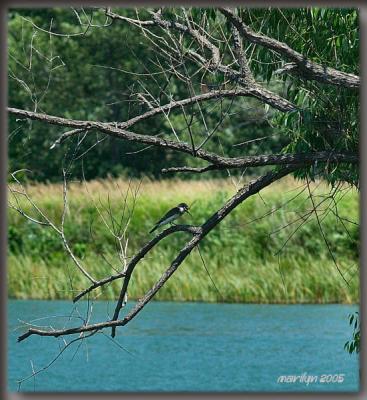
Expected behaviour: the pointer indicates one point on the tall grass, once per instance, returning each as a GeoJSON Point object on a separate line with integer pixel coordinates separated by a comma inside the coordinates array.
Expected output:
{"type": "Point", "coordinates": [262, 261]}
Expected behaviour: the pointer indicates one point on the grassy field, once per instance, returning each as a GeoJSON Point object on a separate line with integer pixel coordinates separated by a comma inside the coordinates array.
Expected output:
{"type": "Point", "coordinates": [276, 259]}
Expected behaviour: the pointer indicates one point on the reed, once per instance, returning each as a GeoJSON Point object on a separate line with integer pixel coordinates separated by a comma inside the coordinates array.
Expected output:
{"type": "Point", "coordinates": [262, 261]}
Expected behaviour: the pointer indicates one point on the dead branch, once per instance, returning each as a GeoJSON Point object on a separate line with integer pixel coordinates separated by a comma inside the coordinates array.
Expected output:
{"type": "Point", "coordinates": [218, 161]}
{"type": "Point", "coordinates": [138, 256]}
{"type": "Point", "coordinates": [47, 222]}
{"type": "Point", "coordinates": [274, 159]}
{"type": "Point", "coordinates": [247, 191]}
{"type": "Point", "coordinates": [244, 77]}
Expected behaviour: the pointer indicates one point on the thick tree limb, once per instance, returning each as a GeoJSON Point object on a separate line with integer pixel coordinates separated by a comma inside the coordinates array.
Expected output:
{"type": "Point", "coordinates": [196, 170]}
{"type": "Point", "coordinates": [308, 69]}
{"type": "Point", "coordinates": [255, 91]}
{"type": "Point", "coordinates": [273, 159]}
{"type": "Point", "coordinates": [214, 94]}
{"type": "Point", "coordinates": [241, 56]}
{"type": "Point", "coordinates": [268, 97]}
{"type": "Point", "coordinates": [247, 191]}
{"type": "Point", "coordinates": [218, 161]}
{"type": "Point", "coordinates": [122, 134]}
{"type": "Point", "coordinates": [112, 130]}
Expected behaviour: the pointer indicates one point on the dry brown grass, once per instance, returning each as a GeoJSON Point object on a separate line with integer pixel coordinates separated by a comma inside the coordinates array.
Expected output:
{"type": "Point", "coordinates": [189, 190]}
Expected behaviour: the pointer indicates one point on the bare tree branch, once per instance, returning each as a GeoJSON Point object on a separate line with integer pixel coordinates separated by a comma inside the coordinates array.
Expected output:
{"type": "Point", "coordinates": [201, 39]}
{"type": "Point", "coordinates": [138, 256]}
{"type": "Point", "coordinates": [220, 162]}
{"type": "Point", "coordinates": [273, 159]}
{"type": "Point", "coordinates": [243, 78]}
{"type": "Point", "coordinates": [247, 191]}
{"type": "Point", "coordinates": [308, 69]}
{"type": "Point", "coordinates": [48, 222]}
{"type": "Point", "coordinates": [214, 94]}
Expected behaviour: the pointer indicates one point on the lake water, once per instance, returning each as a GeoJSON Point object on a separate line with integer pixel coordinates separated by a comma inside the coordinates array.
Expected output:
{"type": "Point", "coordinates": [189, 347]}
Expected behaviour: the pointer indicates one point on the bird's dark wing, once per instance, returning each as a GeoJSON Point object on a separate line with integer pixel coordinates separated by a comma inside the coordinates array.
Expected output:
{"type": "Point", "coordinates": [170, 213]}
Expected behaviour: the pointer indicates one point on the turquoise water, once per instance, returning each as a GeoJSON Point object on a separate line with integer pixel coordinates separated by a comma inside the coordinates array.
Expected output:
{"type": "Point", "coordinates": [188, 347]}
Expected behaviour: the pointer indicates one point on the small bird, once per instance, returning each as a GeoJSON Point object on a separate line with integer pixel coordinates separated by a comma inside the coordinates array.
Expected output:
{"type": "Point", "coordinates": [171, 215]}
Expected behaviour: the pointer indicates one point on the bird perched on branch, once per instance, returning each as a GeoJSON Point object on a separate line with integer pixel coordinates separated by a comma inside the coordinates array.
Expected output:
{"type": "Point", "coordinates": [171, 215]}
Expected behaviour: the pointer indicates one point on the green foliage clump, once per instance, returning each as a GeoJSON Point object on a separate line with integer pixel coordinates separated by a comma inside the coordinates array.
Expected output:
{"type": "Point", "coordinates": [354, 345]}
{"type": "Point", "coordinates": [251, 257]}
{"type": "Point", "coordinates": [327, 118]}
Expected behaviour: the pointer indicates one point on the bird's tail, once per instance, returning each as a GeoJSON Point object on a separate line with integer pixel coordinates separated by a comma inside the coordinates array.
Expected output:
{"type": "Point", "coordinates": [154, 228]}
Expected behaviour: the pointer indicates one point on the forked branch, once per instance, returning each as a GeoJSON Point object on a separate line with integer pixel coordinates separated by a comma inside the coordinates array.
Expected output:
{"type": "Point", "coordinates": [247, 191]}
{"type": "Point", "coordinates": [138, 256]}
